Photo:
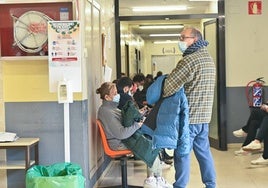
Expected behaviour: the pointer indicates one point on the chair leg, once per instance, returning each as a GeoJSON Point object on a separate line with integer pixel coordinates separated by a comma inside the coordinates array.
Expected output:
{"type": "Point", "coordinates": [123, 163]}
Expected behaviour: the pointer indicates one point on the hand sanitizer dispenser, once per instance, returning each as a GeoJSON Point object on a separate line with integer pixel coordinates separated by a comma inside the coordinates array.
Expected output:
{"type": "Point", "coordinates": [65, 94]}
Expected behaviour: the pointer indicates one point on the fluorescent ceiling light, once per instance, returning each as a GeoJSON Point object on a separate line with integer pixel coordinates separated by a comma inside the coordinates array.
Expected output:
{"type": "Point", "coordinates": [158, 8]}
{"type": "Point", "coordinates": [161, 26]}
{"type": "Point", "coordinates": [166, 42]}
{"type": "Point", "coordinates": [164, 35]}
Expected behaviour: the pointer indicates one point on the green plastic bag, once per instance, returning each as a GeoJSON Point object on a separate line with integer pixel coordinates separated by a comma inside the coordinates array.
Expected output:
{"type": "Point", "coordinates": [59, 175]}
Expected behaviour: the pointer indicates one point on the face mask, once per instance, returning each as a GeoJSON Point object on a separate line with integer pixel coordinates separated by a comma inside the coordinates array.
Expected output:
{"type": "Point", "coordinates": [116, 98]}
{"type": "Point", "coordinates": [129, 93]}
{"type": "Point", "coordinates": [182, 46]}
{"type": "Point", "coordinates": [140, 88]}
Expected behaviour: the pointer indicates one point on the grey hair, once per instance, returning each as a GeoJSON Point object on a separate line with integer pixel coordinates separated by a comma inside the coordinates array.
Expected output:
{"type": "Point", "coordinates": [195, 32]}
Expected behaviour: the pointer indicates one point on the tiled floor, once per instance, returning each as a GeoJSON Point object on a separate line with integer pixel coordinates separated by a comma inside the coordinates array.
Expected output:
{"type": "Point", "coordinates": [232, 171]}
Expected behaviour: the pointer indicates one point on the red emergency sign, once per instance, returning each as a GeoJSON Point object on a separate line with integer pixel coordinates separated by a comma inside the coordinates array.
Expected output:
{"type": "Point", "coordinates": [254, 7]}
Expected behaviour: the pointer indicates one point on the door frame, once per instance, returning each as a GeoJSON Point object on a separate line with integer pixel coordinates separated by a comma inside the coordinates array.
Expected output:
{"type": "Point", "coordinates": [221, 141]}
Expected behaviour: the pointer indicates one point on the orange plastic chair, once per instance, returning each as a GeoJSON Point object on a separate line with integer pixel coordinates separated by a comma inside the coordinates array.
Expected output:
{"type": "Point", "coordinates": [116, 154]}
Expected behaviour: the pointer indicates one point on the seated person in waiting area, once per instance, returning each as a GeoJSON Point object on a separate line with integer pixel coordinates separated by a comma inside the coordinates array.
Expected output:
{"type": "Point", "coordinates": [124, 86]}
{"type": "Point", "coordinates": [111, 118]}
{"type": "Point", "coordinates": [139, 80]}
{"type": "Point", "coordinates": [250, 129]}
{"type": "Point", "coordinates": [255, 145]}
{"type": "Point", "coordinates": [141, 95]}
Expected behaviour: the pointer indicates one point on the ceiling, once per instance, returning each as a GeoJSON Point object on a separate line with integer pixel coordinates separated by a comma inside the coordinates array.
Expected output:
{"type": "Point", "coordinates": [193, 7]}
{"type": "Point", "coordinates": [144, 33]}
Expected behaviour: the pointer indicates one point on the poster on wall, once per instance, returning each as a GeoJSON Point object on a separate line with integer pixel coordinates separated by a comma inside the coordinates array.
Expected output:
{"type": "Point", "coordinates": [64, 54]}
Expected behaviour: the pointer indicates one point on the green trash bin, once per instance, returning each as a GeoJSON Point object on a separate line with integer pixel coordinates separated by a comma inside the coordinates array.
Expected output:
{"type": "Point", "coordinates": [59, 175]}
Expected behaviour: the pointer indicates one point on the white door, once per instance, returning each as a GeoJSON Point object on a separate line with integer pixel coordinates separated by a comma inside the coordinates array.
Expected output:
{"type": "Point", "coordinates": [164, 63]}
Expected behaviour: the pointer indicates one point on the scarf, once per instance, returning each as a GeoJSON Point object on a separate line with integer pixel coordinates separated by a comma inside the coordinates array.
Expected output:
{"type": "Point", "coordinates": [195, 46]}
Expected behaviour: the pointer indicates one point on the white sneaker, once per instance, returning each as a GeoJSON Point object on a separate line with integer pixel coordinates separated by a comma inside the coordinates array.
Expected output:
{"type": "Point", "coordinates": [252, 146]}
{"type": "Point", "coordinates": [239, 133]}
{"type": "Point", "coordinates": [260, 161]}
{"type": "Point", "coordinates": [162, 183]}
{"type": "Point", "coordinates": [150, 182]}
{"type": "Point", "coordinates": [241, 152]}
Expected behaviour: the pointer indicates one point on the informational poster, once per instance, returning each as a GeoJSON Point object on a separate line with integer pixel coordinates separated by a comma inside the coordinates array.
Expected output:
{"type": "Point", "coordinates": [64, 54]}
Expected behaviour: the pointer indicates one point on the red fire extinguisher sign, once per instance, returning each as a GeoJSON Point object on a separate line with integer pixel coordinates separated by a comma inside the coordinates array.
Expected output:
{"type": "Point", "coordinates": [254, 7]}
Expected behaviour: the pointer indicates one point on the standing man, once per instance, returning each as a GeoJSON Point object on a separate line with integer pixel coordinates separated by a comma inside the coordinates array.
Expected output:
{"type": "Point", "coordinates": [196, 73]}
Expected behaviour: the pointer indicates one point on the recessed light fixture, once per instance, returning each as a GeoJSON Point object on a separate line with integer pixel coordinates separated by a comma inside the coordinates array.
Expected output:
{"type": "Point", "coordinates": [159, 8]}
{"type": "Point", "coordinates": [161, 26]}
{"type": "Point", "coordinates": [165, 42]}
{"type": "Point", "coordinates": [164, 35]}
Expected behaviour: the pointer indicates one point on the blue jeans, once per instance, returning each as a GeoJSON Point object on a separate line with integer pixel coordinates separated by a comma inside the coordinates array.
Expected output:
{"type": "Point", "coordinates": [200, 144]}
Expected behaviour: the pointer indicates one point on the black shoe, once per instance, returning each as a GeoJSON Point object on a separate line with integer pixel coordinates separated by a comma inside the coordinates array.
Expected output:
{"type": "Point", "coordinates": [168, 161]}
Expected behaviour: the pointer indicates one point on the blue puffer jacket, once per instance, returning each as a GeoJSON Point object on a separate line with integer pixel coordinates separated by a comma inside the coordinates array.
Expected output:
{"type": "Point", "coordinates": [172, 120]}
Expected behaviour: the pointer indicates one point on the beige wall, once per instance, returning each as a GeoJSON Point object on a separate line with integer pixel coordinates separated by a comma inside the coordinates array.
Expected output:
{"type": "Point", "coordinates": [246, 43]}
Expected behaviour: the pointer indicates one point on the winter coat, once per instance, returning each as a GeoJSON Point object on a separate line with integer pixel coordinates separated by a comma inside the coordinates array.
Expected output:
{"type": "Point", "coordinates": [171, 129]}
{"type": "Point", "coordinates": [138, 143]}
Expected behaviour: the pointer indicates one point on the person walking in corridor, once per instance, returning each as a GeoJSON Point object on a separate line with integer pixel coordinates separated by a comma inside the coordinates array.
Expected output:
{"type": "Point", "coordinates": [195, 72]}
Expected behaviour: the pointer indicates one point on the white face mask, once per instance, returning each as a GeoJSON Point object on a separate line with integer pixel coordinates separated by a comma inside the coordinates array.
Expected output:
{"type": "Point", "coordinates": [116, 98]}
{"type": "Point", "coordinates": [129, 93]}
{"type": "Point", "coordinates": [140, 88]}
{"type": "Point", "coordinates": [182, 46]}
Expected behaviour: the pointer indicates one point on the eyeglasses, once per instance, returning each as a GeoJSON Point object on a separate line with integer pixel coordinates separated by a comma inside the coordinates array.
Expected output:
{"type": "Point", "coordinates": [182, 37]}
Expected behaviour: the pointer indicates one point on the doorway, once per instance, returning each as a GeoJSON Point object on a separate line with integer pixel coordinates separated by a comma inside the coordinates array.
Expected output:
{"type": "Point", "coordinates": [163, 63]}
{"type": "Point", "coordinates": [218, 134]}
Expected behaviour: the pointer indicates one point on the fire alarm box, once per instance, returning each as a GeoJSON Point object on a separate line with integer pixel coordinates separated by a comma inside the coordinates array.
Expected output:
{"type": "Point", "coordinates": [65, 94]}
